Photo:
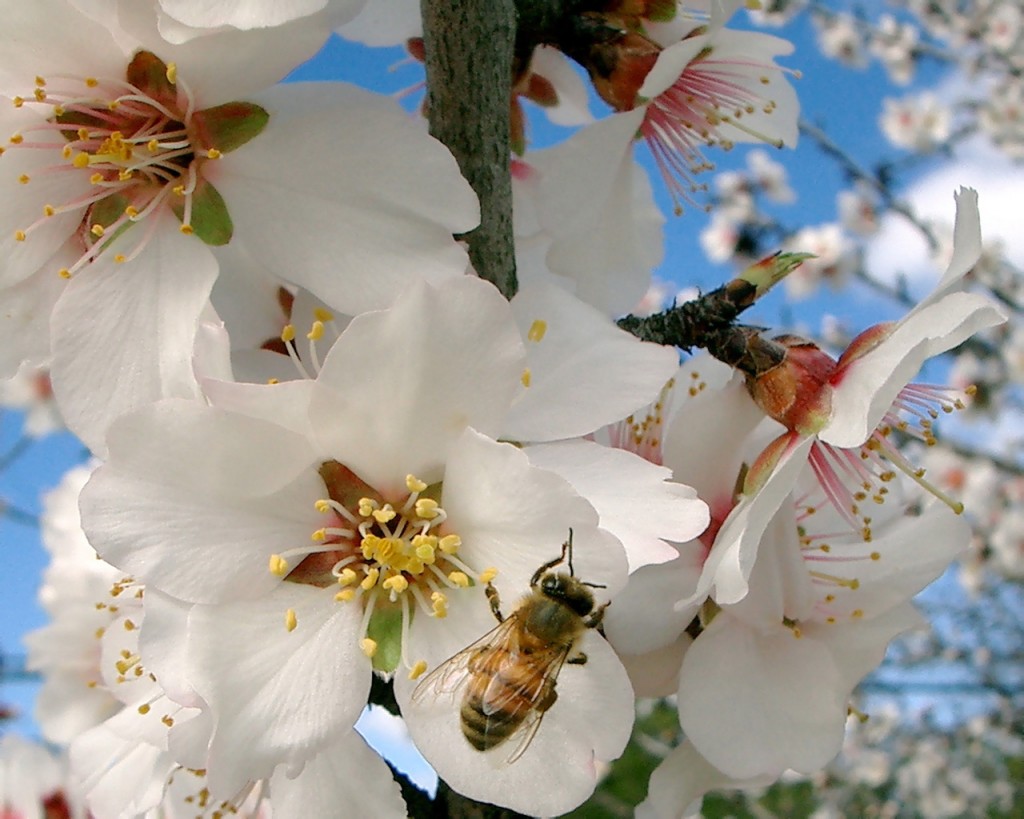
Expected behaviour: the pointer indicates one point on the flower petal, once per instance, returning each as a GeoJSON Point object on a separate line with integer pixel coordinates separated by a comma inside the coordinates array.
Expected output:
{"type": "Point", "coordinates": [277, 696]}
{"type": "Point", "coordinates": [453, 359]}
{"type": "Point", "coordinates": [385, 214]}
{"type": "Point", "coordinates": [123, 334]}
{"type": "Point", "coordinates": [584, 371]}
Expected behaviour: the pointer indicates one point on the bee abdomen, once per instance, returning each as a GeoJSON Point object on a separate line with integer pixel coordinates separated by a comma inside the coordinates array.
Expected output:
{"type": "Point", "coordinates": [485, 731]}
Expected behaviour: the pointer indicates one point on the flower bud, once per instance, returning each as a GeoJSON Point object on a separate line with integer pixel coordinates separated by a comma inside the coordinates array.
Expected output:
{"type": "Point", "coordinates": [796, 392]}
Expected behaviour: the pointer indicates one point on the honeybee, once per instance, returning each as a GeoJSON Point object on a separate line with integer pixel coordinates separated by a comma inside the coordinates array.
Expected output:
{"type": "Point", "coordinates": [508, 676]}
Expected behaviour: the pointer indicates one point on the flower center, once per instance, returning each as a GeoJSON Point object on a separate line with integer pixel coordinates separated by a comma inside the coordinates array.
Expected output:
{"type": "Point", "coordinates": [138, 145]}
{"type": "Point", "coordinates": [390, 557]}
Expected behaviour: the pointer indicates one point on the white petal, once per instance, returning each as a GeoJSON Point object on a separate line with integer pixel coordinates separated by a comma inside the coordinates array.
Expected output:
{"type": "Point", "coordinates": [123, 334]}
{"type": "Point", "coordinates": [966, 243]}
{"type": "Point", "coordinates": [635, 499]}
{"type": "Point", "coordinates": [515, 517]}
{"type": "Point", "coordinates": [868, 385]}
{"type": "Point", "coordinates": [704, 442]}
{"type": "Point", "coordinates": [573, 107]}
{"type": "Point", "coordinates": [728, 566]}
{"type": "Point", "coordinates": [49, 37]}
{"type": "Point", "coordinates": [196, 539]}
{"type": "Point", "coordinates": [643, 617]}
{"type": "Point", "coordinates": [584, 371]}
{"type": "Point", "coordinates": [383, 197]}
{"type": "Point", "coordinates": [325, 785]}
{"type": "Point", "coordinates": [596, 204]}
{"type": "Point", "coordinates": [228, 64]}
{"type": "Point", "coordinates": [25, 320]}
{"type": "Point", "coordinates": [243, 14]}
{"type": "Point", "coordinates": [793, 716]}
{"type": "Point", "coordinates": [277, 696]}
{"type": "Point", "coordinates": [681, 778]}
{"type": "Point", "coordinates": [453, 359]}
{"type": "Point", "coordinates": [385, 23]}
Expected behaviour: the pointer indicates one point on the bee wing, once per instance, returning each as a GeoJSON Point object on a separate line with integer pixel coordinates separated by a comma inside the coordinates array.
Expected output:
{"type": "Point", "coordinates": [452, 674]}
{"type": "Point", "coordinates": [531, 724]}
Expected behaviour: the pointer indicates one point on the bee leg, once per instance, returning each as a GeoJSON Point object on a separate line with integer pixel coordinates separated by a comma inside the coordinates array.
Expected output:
{"type": "Point", "coordinates": [495, 600]}
{"type": "Point", "coordinates": [578, 659]}
{"type": "Point", "coordinates": [594, 620]}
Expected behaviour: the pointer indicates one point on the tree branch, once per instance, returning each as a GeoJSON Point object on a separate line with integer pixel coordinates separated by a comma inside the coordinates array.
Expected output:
{"type": "Point", "coordinates": [468, 46]}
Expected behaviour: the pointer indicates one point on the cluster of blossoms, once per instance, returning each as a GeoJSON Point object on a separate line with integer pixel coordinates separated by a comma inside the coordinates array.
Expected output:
{"type": "Point", "coordinates": [330, 455]}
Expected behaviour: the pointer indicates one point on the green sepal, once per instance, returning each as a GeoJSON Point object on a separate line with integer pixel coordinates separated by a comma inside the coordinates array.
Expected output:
{"type": "Point", "coordinates": [385, 628]}
{"type": "Point", "coordinates": [211, 221]}
{"type": "Point", "coordinates": [228, 126]}
{"type": "Point", "coordinates": [105, 212]}
{"type": "Point", "coordinates": [148, 73]}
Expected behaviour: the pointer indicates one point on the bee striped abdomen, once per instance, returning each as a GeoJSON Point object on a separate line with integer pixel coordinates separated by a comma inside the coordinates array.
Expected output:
{"type": "Point", "coordinates": [502, 693]}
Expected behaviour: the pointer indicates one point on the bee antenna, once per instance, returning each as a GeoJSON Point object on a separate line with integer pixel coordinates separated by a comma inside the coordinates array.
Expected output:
{"type": "Point", "coordinates": [567, 549]}
{"type": "Point", "coordinates": [594, 585]}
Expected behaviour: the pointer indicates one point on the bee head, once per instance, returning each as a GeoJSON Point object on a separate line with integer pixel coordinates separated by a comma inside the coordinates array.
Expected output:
{"type": "Point", "coordinates": [568, 590]}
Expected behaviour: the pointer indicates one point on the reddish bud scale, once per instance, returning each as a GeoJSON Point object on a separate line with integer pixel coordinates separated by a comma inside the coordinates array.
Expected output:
{"type": "Point", "coordinates": [618, 69]}
{"type": "Point", "coordinates": [797, 392]}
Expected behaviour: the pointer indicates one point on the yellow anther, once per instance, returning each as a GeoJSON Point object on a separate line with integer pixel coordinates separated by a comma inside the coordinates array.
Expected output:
{"type": "Point", "coordinates": [178, 190]}
{"type": "Point", "coordinates": [278, 566]}
{"type": "Point", "coordinates": [153, 145]}
{"type": "Point", "coordinates": [347, 577]}
{"type": "Point", "coordinates": [91, 82]}
{"type": "Point", "coordinates": [288, 333]}
{"type": "Point", "coordinates": [450, 544]}
{"type": "Point", "coordinates": [320, 314]}
{"type": "Point", "coordinates": [856, 614]}
{"type": "Point", "coordinates": [187, 230]}
{"type": "Point", "coordinates": [131, 212]}
{"type": "Point", "coordinates": [322, 506]}
{"type": "Point", "coordinates": [371, 579]}
{"type": "Point", "coordinates": [98, 634]}
{"type": "Point", "coordinates": [19, 236]}
{"type": "Point", "coordinates": [368, 646]}
{"type": "Point", "coordinates": [49, 210]}
{"type": "Point", "coordinates": [113, 105]}
{"type": "Point", "coordinates": [213, 153]}
{"type": "Point", "coordinates": [129, 625]}
{"type": "Point", "coordinates": [385, 514]}
{"type": "Point", "coordinates": [366, 506]}
{"type": "Point", "coordinates": [24, 179]}
{"type": "Point", "coordinates": [125, 175]}
{"type": "Point", "coordinates": [876, 556]}
{"type": "Point", "coordinates": [290, 620]}
{"type": "Point", "coordinates": [172, 73]}
{"type": "Point", "coordinates": [39, 94]}
{"type": "Point", "coordinates": [17, 139]}
{"type": "Point", "coordinates": [120, 258]}
{"type": "Point", "coordinates": [537, 330]}
{"type": "Point", "coordinates": [167, 720]}
{"type": "Point", "coordinates": [273, 380]}
{"type": "Point", "coordinates": [525, 377]}
{"type": "Point", "coordinates": [417, 670]}
{"type": "Point", "coordinates": [320, 535]}
{"type": "Point", "coordinates": [18, 101]}
{"type": "Point", "coordinates": [425, 552]}
{"type": "Point", "coordinates": [345, 595]}
{"type": "Point", "coordinates": [439, 603]}
{"type": "Point", "coordinates": [396, 583]}
{"type": "Point", "coordinates": [488, 574]}
{"type": "Point", "coordinates": [427, 508]}
{"type": "Point", "coordinates": [459, 579]}
{"type": "Point", "coordinates": [144, 709]}
{"type": "Point", "coordinates": [316, 332]}
{"type": "Point", "coordinates": [40, 81]}
{"type": "Point", "coordinates": [64, 273]}
{"type": "Point", "coordinates": [414, 484]}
